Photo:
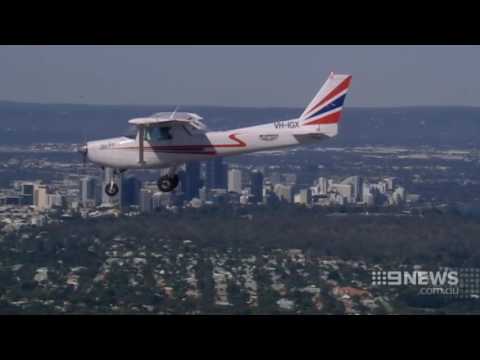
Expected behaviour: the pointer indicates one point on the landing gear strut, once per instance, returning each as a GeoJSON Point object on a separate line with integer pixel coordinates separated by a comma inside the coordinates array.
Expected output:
{"type": "Point", "coordinates": [167, 183]}
{"type": "Point", "coordinates": [112, 189]}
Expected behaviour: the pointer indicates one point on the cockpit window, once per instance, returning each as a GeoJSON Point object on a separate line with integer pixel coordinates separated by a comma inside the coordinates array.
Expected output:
{"type": "Point", "coordinates": [157, 134]}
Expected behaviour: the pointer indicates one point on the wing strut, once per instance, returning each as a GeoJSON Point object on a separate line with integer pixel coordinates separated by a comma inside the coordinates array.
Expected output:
{"type": "Point", "coordinates": [141, 137]}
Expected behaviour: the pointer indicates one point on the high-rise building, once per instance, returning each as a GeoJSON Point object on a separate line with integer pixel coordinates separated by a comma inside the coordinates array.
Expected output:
{"type": "Point", "coordinates": [146, 200]}
{"type": "Point", "coordinates": [368, 198]}
{"type": "Point", "coordinates": [28, 190]}
{"type": "Point", "coordinates": [40, 198]}
{"type": "Point", "coordinates": [366, 194]}
{"type": "Point", "coordinates": [56, 200]}
{"type": "Point", "coordinates": [88, 186]}
{"type": "Point", "coordinates": [390, 183]}
{"type": "Point", "coordinates": [357, 187]}
{"type": "Point", "coordinates": [182, 186]}
{"type": "Point", "coordinates": [304, 197]}
{"type": "Point", "coordinates": [216, 174]}
{"type": "Point", "coordinates": [399, 195]}
{"type": "Point", "coordinates": [329, 183]}
{"type": "Point", "coordinates": [192, 182]}
{"type": "Point", "coordinates": [203, 194]}
{"type": "Point", "coordinates": [99, 191]}
{"type": "Point", "coordinates": [344, 190]}
{"type": "Point", "coordinates": [381, 187]}
{"type": "Point", "coordinates": [156, 200]}
{"type": "Point", "coordinates": [235, 180]}
{"type": "Point", "coordinates": [256, 181]}
{"type": "Point", "coordinates": [322, 185]}
{"type": "Point", "coordinates": [131, 191]}
{"type": "Point", "coordinates": [337, 198]}
{"type": "Point", "coordinates": [284, 192]}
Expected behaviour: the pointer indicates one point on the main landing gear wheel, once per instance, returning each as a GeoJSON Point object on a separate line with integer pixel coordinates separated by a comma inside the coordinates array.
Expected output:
{"type": "Point", "coordinates": [111, 189]}
{"type": "Point", "coordinates": [167, 183]}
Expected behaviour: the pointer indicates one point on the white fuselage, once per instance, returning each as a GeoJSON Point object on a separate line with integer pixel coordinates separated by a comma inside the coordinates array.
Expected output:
{"type": "Point", "coordinates": [190, 144]}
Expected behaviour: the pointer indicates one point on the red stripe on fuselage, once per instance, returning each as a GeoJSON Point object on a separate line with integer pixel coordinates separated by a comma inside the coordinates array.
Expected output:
{"type": "Point", "coordinates": [188, 149]}
{"type": "Point", "coordinates": [233, 137]}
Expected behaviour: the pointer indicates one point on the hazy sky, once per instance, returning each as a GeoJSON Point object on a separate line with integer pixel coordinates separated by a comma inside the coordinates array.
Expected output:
{"type": "Point", "coordinates": [239, 75]}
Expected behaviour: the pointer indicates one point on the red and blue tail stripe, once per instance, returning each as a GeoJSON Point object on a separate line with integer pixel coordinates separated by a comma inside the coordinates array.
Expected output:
{"type": "Point", "coordinates": [326, 107]}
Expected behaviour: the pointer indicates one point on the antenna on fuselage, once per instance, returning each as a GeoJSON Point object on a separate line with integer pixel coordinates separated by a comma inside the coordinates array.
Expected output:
{"type": "Point", "coordinates": [174, 112]}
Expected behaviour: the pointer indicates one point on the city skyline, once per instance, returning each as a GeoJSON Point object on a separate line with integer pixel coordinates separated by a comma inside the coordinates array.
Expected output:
{"type": "Point", "coordinates": [202, 184]}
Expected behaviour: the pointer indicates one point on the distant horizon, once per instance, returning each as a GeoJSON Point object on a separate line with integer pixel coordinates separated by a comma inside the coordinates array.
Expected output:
{"type": "Point", "coordinates": [268, 76]}
{"type": "Point", "coordinates": [185, 107]}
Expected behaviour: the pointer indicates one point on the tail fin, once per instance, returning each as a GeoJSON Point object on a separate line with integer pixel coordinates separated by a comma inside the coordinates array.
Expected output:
{"type": "Point", "coordinates": [326, 107]}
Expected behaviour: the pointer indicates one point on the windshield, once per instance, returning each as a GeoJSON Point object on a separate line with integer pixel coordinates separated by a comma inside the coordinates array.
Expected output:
{"type": "Point", "coordinates": [131, 132]}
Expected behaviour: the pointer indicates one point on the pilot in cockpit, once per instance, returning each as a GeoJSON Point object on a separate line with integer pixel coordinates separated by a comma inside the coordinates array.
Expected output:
{"type": "Point", "coordinates": [158, 133]}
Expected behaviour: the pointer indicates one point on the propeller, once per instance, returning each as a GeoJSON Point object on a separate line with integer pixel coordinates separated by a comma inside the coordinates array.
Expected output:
{"type": "Point", "coordinates": [83, 150]}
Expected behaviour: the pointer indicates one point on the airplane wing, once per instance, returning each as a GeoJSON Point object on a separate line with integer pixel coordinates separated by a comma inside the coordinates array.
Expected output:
{"type": "Point", "coordinates": [169, 119]}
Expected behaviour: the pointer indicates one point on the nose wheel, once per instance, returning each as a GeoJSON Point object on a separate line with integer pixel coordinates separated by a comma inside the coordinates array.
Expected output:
{"type": "Point", "coordinates": [167, 183]}
{"type": "Point", "coordinates": [112, 188]}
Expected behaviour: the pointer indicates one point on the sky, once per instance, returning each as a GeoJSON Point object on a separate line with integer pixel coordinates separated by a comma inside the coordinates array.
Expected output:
{"type": "Point", "coordinates": [260, 76]}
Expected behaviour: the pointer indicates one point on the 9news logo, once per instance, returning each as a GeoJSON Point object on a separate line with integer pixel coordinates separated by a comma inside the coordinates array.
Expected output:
{"type": "Point", "coordinates": [460, 282]}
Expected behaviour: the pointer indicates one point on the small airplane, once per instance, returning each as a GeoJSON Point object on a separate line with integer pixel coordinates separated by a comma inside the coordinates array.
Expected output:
{"type": "Point", "coordinates": [168, 140]}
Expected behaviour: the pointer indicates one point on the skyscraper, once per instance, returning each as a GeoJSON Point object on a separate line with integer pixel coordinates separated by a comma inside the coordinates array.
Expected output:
{"type": "Point", "coordinates": [40, 199]}
{"type": "Point", "coordinates": [216, 174]}
{"type": "Point", "coordinates": [88, 186]}
{"type": "Point", "coordinates": [304, 197]}
{"type": "Point", "coordinates": [357, 187]}
{"type": "Point", "coordinates": [344, 190]}
{"type": "Point", "coordinates": [181, 178]}
{"type": "Point", "coordinates": [145, 200]}
{"type": "Point", "coordinates": [235, 181]}
{"type": "Point", "coordinates": [192, 180]}
{"type": "Point", "coordinates": [28, 190]}
{"type": "Point", "coordinates": [390, 182]}
{"type": "Point", "coordinates": [203, 194]}
{"type": "Point", "coordinates": [322, 185]}
{"type": "Point", "coordinates": [56, 200]}
{"type": "Point", "coordinates": [256, 180]}
{"type": "Point", "coordinates": [131, 191]}
{"type": "Point", "coordinates": [284, 192]}
{"type": "Point", "coordinates": [398, 196]}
